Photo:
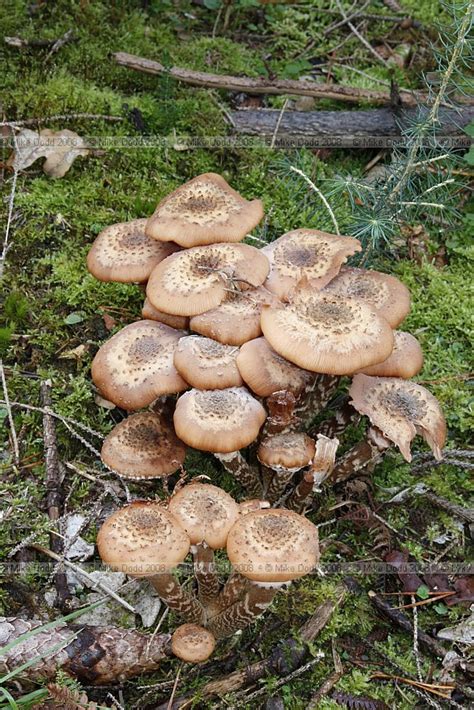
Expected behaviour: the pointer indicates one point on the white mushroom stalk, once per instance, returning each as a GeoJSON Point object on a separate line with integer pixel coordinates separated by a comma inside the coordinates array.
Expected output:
{"type": "Point", "coordinates": [319, 471]}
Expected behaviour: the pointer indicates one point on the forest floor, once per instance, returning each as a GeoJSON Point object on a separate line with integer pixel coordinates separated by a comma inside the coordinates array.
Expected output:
{"type": "Point", "coordinates": [55, 315]}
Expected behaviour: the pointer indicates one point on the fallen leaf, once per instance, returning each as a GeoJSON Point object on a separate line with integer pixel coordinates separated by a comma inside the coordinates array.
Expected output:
{"type": "Point", "coordinates": [109, 322]}
{"type": "Point", "coordinates": [410, 581]}
{"type": "Point", "coordinates": [75, 354]}
{"type": "Point", "coordinates": [461, 633]}
{"type": "Point", "coordinates": [60, 148]}
{"type": "Point", "coordinates": [464, 587]}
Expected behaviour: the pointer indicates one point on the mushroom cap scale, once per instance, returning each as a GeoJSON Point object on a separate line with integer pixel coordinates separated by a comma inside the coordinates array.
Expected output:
{"type": "Point", "coordinates": [143, 446]}
{"type": "Point", "coordinates": [206, 512]}
{"type": "Point", "coordinates": [405, 360]}
{"type": "Point", "coordinates": [290, 450]}
{"type": "Point", "coordinates": [207, 364]}
{"type": "Point", "coordinates": [204, 210]}
{"type": "Point", "coordinates": [142, 539]}
{"type": "Point", "coordinates": [135, 366]}
{"type": "Point", "coordinates": [221, 421]}
{"type": "Point", "coordinates": [149, 312]}
{"type": "Point", "coordinates": [308, 253]}
{"type": "Point", "coordinates": [273, 545]}
{"type": "Point", "coordinates": [385, 293]}
{"type": "Point", "coordinates": [195, 280]}
{"type": "Point", "coordinates": [123, 252]}
{"type": "Point", "coordinates": [192, 643]}
{"type": "Point", "coordinates": [326, 333]}
{"type": "Point", "coordinates": [266, 372]}
{"type": "Point", "coordinates": [400, 409]}
{"type": "Point", "coordinates": [237, 319]}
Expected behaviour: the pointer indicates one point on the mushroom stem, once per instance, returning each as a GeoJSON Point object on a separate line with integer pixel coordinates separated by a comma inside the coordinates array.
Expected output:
{"type": "Point", "coordinates": [276, 479]}
{"type": "Point", "coordinates": [256, 598]}
{"type": "Point", "coordinates": [367, 452]}
{"type": "Point", "coordinates": [316, 397]}
{"type": "Point", "coordinates": [281, 413]}
{"type": "Point", "coordinates": [245, 474]}
{"type": "Point", "coordinates": [321, 467]}
{"type": "Point", "coordinates": [345, 415]}
{"type": "Point", "coordinates": [232, 591]}
{"type": "Point", "coordinates": [205, 573]}
{"type": "Point", "coordinates": [173, 594]}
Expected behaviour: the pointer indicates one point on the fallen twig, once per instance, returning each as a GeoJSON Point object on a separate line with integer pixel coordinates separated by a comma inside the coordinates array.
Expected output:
{"type": "Point", "coordinates": [359, 36]}
{"type": "Point", "coordinates": [320, 195]}
{"type": "Point", "coordinates": [8, 405]}
{"type": "Point", "coordinates": [328, 684]}
{"type": "Point", "coordinates": [60, 117]}
{"type": "Point", "coordinates": [443, 691]}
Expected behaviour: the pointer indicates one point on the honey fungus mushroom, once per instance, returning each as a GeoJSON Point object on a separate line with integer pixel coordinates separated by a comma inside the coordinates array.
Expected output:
{"type": "Point", "coordinates": [222, 422]}
{"type": "Point", "coordinates": [327, 333]}
{"type": "Point", "coordinates": [135, 366]}
{"type": "Point", "coordinates": [192, 643]}
{"type": "Point", "coordinates": [123, 252]}
{"type": "Point", "coordinates": [385, 293]}
{"type": "Point", "coordinates": [282, 455]}
{"type": "Point", "coordinates": [308, 253]}
{"type": "Point", "coordinates": [207, 364]}
{"type": "Point", "coordinates": [268, 548]}
{"type": "Point", "coordinates": [405, 360]}
{"type": "Point", "coordinates": [319, 470]}
{"type": "Point", "coordinates": [195, 280]}
{"type": "Point", "coordinates": [204, 210]}
{"type": "Point", "coordinates": [143, 446]}
{"type": "Point", "coordinates": [149, 312]}
{"type": "Point", "coordinates": [143, 539]}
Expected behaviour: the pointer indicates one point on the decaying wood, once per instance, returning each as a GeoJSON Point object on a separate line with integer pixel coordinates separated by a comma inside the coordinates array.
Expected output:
{"type": "Point", "coordinates": [98, 655]}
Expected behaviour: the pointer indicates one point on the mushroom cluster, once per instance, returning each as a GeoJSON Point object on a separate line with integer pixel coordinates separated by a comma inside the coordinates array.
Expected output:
{"type": "Point", "coordinates": [239, 348]}
{"type": "Point", "coordinates": [267, 548]}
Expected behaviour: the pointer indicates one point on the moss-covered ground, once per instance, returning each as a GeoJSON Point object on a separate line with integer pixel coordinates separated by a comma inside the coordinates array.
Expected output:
{"type": "Point", "coordinates": [55, 315]}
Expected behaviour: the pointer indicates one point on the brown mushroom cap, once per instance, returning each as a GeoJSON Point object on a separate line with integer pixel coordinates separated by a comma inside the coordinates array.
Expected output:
{"type": "Point", "coordinates": [206, 512]}
{"type": "Point", "coordinates": [405, 360]}
{"type": "Point", "coordinates": [204, 210]}
{"type": "Point", "coordinates": [196, 280]}
{"type": "Point", "coordinates": [135, 366]}
{"type": "Point", "coordinates": [237, 319]}
{"type": "Point", "coordinates": [326, 333]}
{"type": "Point", "coordinates": [192, 643]}
{"type": "Point", "coordinates": [266, 372]}
{"type": "Point", "coordinates": [143, 446]}
{"type": "Point", "coordinates": [273, 545]}
{"type": "Point", "coordinates": [400, 409]}
{"type": "Point", "coordinates": [220, 421]}
{"type": "Point", "coordinates": [306, 253]}
{"type": "Point", "coordinates": [291, 450]}
{"type": "Point", "coordinates": [385, 293]}
{"type": "Point", "coordinates": [207, 364]}
{"type": "Point", "coordinates": [122, 252]}
{"type": "Point", "coordinates": [142, 539]}
{"type": "Point", "coordinates": [149, 312]}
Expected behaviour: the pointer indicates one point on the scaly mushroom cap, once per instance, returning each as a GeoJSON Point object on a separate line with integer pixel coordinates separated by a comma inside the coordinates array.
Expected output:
{"type": "Point", "coordinates": [204, 210]}
{"type": "Point", "coordinates": [206, 512]}
{"type": "Point", "coordinates": [400, 409]}
{"type": "Point", "coordinates": [266, 372]}
{"type": "Point", "coordinates": [123, 252]}
{"type": "Point", "coordinates": [273, 545]}
{"type": "Point", "coordinates": [385, 293]}
{"type": "Point", "coordinates": [196, 280]}
{"type": "Point", "coordinates": [306, 253]}
{"type": "Point", "coordinates": [237, 319]}
{"type": "Point", "coordinates": [192, 643]}
{"type": "Point", "coordinates": [405, 360]}
{"type": "Point", "coordinates": [220, 421]}
{"type": "Point", "coordinates": [149, 312]}
{"type": "Point", "coordinates": [143, 446]}
{"type": "Point", "coordinates": [142, 539]}
{"type": "Point", "coordinates": [326, 333]}
{"type": "Point", "coordinates": [292, 450]}
{"type": "Point", "coordinates": [135, 366]}
{"type": "Point", "coordinates": [207, 364]}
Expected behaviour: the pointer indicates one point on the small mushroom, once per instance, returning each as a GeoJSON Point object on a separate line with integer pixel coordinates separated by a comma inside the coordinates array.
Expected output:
{"type": "Point", "coordinates": [149, 312]}
{"type": "Point", "coordinates": [401, 410]}
{"type": "Point", "coordinates": [269, 548]}
{"type": "Point", "coordinates": [319, 471]}
{"type": "Point", "coordinates": [282, 456]}
{"type": "Point", "coordinates": [222, 422]}
{"type": "Point", "coordinates": [327, 333]}
{"type": "Point", "coordinates": [204, 210]}
{"type": "Point", "coordinates": [385, 293]}
{"type": "Point", "coordinates": [237, 319]}
{"type": "Point", "coordinates": [143, 446]}
{"type": "Point", "coordinates": [207, 364]}
{"type": "Point", "coordinates": [207, 513]}
{"type": "Point", "coordinates": [405, 360]}
{"type": "Point", "coordinates": [192, 643]}
{"type": "Point", "coordinates": [145, 540]}
{"type": "Point", "coordinates": [124, 253]}
{"type": "Point", "coordinates": [195, 280]}
{"type": "Point", "coordinates": [308, 253]}
{"type": "Point", "coordinates": [135, 366]}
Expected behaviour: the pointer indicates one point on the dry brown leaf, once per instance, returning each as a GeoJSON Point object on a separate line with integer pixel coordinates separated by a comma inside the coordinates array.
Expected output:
{"type": "Point", "coordinates": [60, 148]}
